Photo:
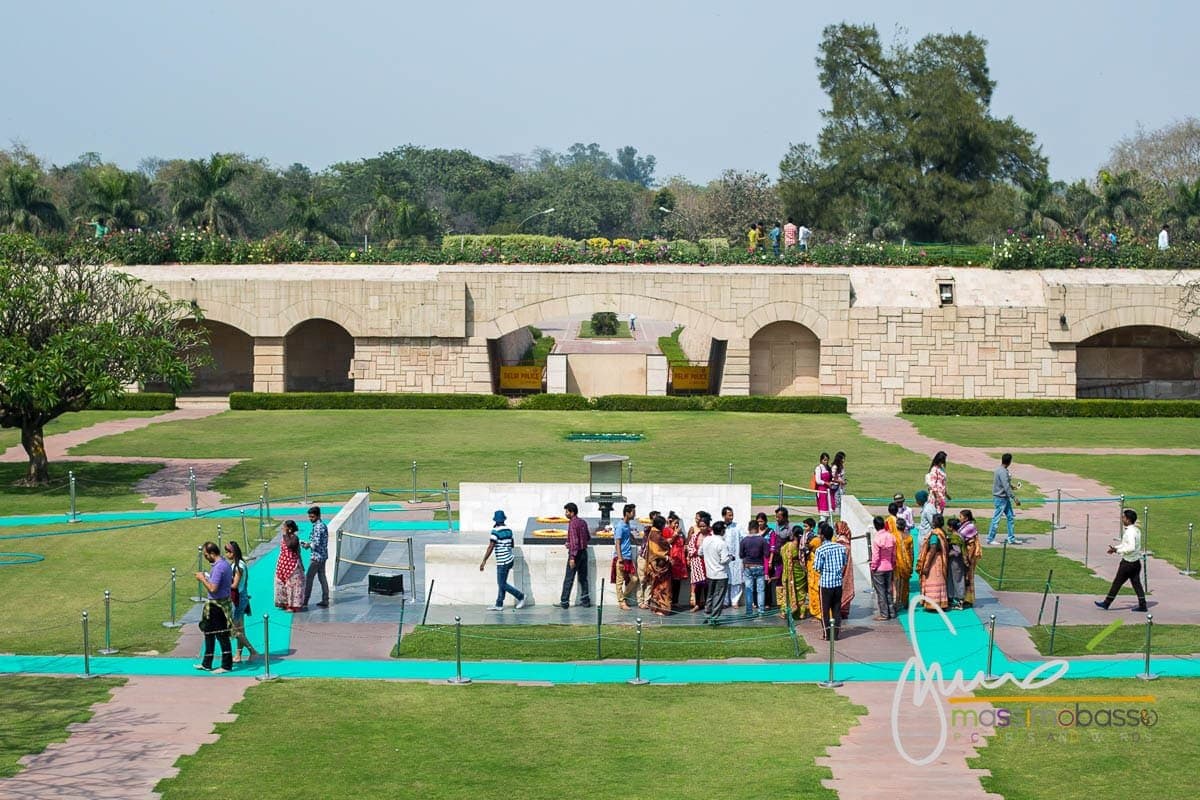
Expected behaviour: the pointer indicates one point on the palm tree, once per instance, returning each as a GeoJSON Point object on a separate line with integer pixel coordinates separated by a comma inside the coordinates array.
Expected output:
{"type": "Point", "coordinates": [308, 215]}
{"type": "Point", "coordinates": [116, 196]}
{"type": "Point", "coordinates": [1120, 199]}
{"type": "Point", "coordinates": [1043, 207]}
{"type": "Point", "coordinates": [1184, 209]}
{"type": "Point", "coordinates": [202, 194]}
{"type": "Point", "coordinates": [25, 204]}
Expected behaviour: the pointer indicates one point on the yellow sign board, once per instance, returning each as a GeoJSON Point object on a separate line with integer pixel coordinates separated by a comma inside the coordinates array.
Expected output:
{"type": "Point", "coordinates": [521, 378]}
{"type": "Point", "coordinates": [689, 378]}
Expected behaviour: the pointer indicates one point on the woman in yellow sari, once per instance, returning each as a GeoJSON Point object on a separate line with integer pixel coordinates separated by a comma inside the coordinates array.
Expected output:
{"type": "Point", "coordinates": [902, 573]}
{"type": "Point", "coordinates": [973, 553]}
{"type": "Point", "coordinates": [811, 542]}
{"type": "Point", "coordinates": [658, 567]}
{"type": "Point", "coordinates": [795, 576]}
{"type": "Point", "coordinates": [933, 566]}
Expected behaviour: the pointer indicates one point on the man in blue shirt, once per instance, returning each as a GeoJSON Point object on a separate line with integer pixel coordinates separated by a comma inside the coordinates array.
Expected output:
{"type": "Point", "coordinates": [218, 610]}
{"type": "Point", "coordinates": [501, 543]}
{"type": "Point", "coordinates": [626, 567]}
{"type": "Point", "coordinates": [830, 564]}
{"type": "Point", "coordinates": [318, 543]}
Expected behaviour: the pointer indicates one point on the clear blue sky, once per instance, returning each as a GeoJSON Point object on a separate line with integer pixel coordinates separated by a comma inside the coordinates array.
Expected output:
{"type": "Point", "coordinates": [701, 85]}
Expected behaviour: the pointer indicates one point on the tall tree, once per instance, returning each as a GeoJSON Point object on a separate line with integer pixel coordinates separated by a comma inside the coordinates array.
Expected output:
{"type": "Point", "coordinates": [909, 133]}
{"type": "Point", "coordinates": [736, 200]}
{"type": "Point", "coordinates": [1166, 155]}
{"type": "Point", "coordinates": [77, 334]}
{"type": "Point", "coordinates": [202, 194]}
{"type": "Point", "coordinates": [1119, 200]}
{"type": "Point", "coordinates": [1184, 210]}
{"type": "Point", "coordinates": [122, 199]}
{"type": "Point", "coordinates": [634, 168]}
{"type": "Point", "coordinates": [25, 202]}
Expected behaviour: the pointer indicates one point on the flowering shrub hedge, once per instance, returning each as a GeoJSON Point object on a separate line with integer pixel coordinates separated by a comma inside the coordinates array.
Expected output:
{"type": "Point", "coordinates": [187, 246]}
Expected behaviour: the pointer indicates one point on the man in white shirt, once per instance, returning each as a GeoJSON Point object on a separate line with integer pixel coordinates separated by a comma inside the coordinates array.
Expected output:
{"type": "Point", "coordinates": [803, 235]}
{"type": "Point", "coordinates": [1130, 568]}
{"type": "Point", "coordinates": [716, 567]}
{"type": "Point", "coordinates": [1164, 237]}
{"type": "Point", "coordinates": [733, 540]}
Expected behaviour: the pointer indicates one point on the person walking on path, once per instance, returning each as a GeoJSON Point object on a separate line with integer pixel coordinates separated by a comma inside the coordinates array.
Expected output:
{"type": "Point", "coordinates": [733, 538]}
{"type": "Point", "coordinates": [1164, 237]}
{"type": "Point", "coordinates": [239, 598]}
{"type": "Point", "coordinates": [501, 543]}
{"type": "Point", "coordinates": [789, 234]}
{"type": "Point", "coordinates": [715, 551]}
{"type": "Point", "coordinates": [830, 564]}
{"type": "Point", "coordinates": [577, 558]}
{"type": "Point", "coordinates": [626, 570]}
{"type": "Point", "coordinates": [883, 552]}
{"type": "Point", "coordinates": [1003, 499]}
{"type": "Point", "coordinates": [1130, 567]}
{"type": "Point", "coordinates": [318, 543]}
{"type": "Point", "coordinates": [217, 618]}
{"type": "Point", "coordinates": [935, 480]}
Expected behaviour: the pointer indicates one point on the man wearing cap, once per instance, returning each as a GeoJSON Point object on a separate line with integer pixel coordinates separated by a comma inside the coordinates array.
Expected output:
{"type": "Point", "coordinates": [577, 558]}
{"type": "Point", "coordinates": [502, 544]}
{"type": "Point", "coordinates": [902, 511]}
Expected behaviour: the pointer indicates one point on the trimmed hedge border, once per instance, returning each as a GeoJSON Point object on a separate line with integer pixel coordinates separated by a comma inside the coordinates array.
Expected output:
{"type": "Point", "coordinates": [262, 401]}
{"type": "Point", "coordinates": [138, 401]}
{"type": "Point", "coordinates": [1051, 408]}
{"type": "Point", "coordinates": [293, 401]}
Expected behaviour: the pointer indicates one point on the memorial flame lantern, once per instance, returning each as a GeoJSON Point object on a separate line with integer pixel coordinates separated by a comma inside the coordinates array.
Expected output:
{"type": "Point", "coordinates": [606, 487]}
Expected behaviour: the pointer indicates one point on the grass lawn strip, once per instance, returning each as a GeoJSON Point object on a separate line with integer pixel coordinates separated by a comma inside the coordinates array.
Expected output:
{"type": "Point", "coordinates": [98, 487]}
{"type": "Point", "coordinates": [72, 422]}
{"type": "Point", "coordinates": [998, 433]}
{"type": "Point", "coordinates": [36, 712]}
{"type": "Point", "coordinates": [426, 741]}
{"type": "Point", "coordinates": [1025, 570]}
{"type": "Point", "coordinates": [358, 448]}
{"type": "Point", "coordinates": [1049, 760]}
{"type": "Point", "coordinates": [1072, 640]}
{"type": "Point", "coordinates": [578, 642]}
{"type": "Point", "coordinates": [133, 563]}
{"type": "Point", "coordinates": [623, 332]}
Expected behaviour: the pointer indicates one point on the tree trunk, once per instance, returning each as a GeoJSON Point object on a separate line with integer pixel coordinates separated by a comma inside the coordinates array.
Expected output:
{"type": "Point", "coordinates": [34, 443]}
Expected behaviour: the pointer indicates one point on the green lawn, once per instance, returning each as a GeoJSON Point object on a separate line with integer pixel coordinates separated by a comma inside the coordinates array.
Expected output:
{"type": "Point", "coordinates": [540, 348]}
{"type": "Point", "coordinates": [623, 332]}
{"type": "Point", "coordinates": [36, 712]}
{"type": "Point", "coordinates": [358, 448]}
{"type": "Point", "coordinates": [72, 422]}
{"type": "Point", "coordinates": [1166, 531]}
{"type": "Point", "coordinates": [1072, 640]}
{"type": "Point", "coordinates": [46, 598]}
{"type": "Point", "coordinates": [98, 487]}
{"type": "Point", "coordinates": [669, 346]}
{"type": "Point", "coordinates": [1047, 761]}
{"type": "Point", "coordinates": [1001, 432]}
{"type": "Point", "coordinates": [1026, 568]}
{"type": "Point", "coordinates": [413, 740]}
{"type": "Point", "coordinates": [578, 642]}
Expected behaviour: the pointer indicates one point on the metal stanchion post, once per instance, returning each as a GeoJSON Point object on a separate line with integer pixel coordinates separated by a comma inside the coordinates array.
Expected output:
{"type": "Point", "coordinates": [400, 628]}
{"type": "Point", "coordinates": [600, 619]}
{"type": "Point", "coordinates": [520, 470]}
{"type": "Point", "coordinates": [731, 473]}
{"type": "Point", "coordinates": [428, 602]}
{"type": "Point", "coordinates": [458, 679]}
{"type": "Point", "coordinates": [1146, 674]}
{"type": "Point", "coordinates": [1057, 513]}
{"type": "Point", "coordinates": [991, 646]}
{"type": "Point", "coordinates": [305, 483]}
{"type": "Point", "coordinates": [266, 676]}
{"type": "Point", "coordinates": [1120, 516]}
{"type": "Point", "coordinates": [245, 538]}
{"type": "Point", "coordinates": [414, 481]}
{"type": "Point", "coordinates": [637, 679]}
{"type": "Point", "coordinates": [1146, 572]}
{"type": "Point", "coordinates": [780, 494]}
{"type": "Point", "coordinates": [172, 623]}
{"type": "Point", "coordinates": [71, 481]}
{"type": "Point", "coordinates": [792, 632]}
{"type": "Point", "coordinates": [220, 537]}
{"type": "Point", "coordinates": [108, 649]}
{"type": "Point", "coordinates": [1188, 570]}
{"type": "Point", "coordinates": [1054, 624]}
{"type": "Point", "coordinates": [1003, 558]}
{"type": "Point", "coordinates": [1053, 528]}
{"type": "Point", "coordinates": [267, 502]}
{"type": "Point", "coordinates": [1087, 532]}
{"type": "Point", "coordinates": [1146, 551]}
{"type": "Point", "coordinates": [630, 465]}
{"type": "Point", "coordinates": [192, 491]}
{"type": "Point", "coordinates": [198, 597]}
{"type": "Point", "coordinates": [831, 683]}
{"type": "Point", "coordinates": [261, 520]}
{"type": "Point", "coordinates": [449, 511]}
{"type": "Point", "coordinates": [1045, 592]}
{"type": "Point", "coordinates": [87, 659]}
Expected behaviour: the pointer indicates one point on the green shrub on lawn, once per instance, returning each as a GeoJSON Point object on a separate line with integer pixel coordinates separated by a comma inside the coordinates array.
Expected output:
{"type": "Point", "coordinates": [780, 405]}
{"type": "Point", "coordinates": [1051, 408]}
{"type": "Point", "coordinates": [262, 401]}
{"type": "Point", "coordinates": [635, 402]}
{"type": "Point", "coordinates": [555, 402]}
{"type": "Point", "coordinates": [138, 401]}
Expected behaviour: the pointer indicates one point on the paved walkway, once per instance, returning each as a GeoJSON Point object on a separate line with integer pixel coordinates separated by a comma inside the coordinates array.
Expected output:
{"type": "Point", "coordinates": [131, 743]}
{"type": "Point", "coordinates": [167, 489]}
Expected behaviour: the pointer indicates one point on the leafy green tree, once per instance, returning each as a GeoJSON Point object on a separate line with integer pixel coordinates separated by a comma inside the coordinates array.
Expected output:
{"type": "Point", "coordinates": [77, 334]}
{"type": "Point", "coordinates": [25, 203]}
{"type": "Point", "coordinates": [203, 194]}
{"type": "Point", "coordinates": [309, 215]}
{"type": "Point", "coordinates": [122, 199]}
{"type": "Point", "coordinates": [1120, 200]}
{"type": "Point", "coordinates": [634, 168]}
{"type": "Point", "coordinates": [736, 200]}
{"type": "Point", "coordinates": [1044, 207]}
{"type": "Point", "coordinates": [1184, 210]}
{"type": "Point", "coordinates": [585, 203]}
{"type": "Point", "coordinates": [909, 136]}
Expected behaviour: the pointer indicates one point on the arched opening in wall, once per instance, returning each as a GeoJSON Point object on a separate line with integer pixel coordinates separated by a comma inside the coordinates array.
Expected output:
{"type": "Point", "coordinates": [318, 356]}
{"type": "Point", "coordinates": [1139, 362]}
{"type": "Point", "coordinates": [231, 365]}
{"type": "Point", "coordinates": [785, 359]}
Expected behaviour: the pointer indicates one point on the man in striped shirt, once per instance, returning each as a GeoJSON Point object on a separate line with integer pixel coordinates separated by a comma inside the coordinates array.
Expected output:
{"type": "Point", "coordinates": [502, 545]}
{"type": "Point", "coordinates": [830, 564]}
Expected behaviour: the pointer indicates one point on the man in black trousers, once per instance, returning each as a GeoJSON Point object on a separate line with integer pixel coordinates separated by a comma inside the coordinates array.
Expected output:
{"type": "Point", "coordinates": [1130, 568]}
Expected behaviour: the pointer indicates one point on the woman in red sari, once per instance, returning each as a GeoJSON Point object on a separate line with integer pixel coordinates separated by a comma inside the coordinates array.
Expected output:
{"type": "Point", "coordinates": [676, 540]}
{"type": "Point", "coordinates": [823, 483]}
{"type": "Point", "coordinates": [658, 567]}
{"type": "Point", "coordinates": [289, 570]}
{"type": "Point", "coordinates": [841, 535]}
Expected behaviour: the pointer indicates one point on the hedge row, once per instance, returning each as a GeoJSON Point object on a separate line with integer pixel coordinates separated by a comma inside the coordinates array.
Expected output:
{"type": "Point", "coordinates": [260, 401]}
{"type": "Point", "coordinates": [138, 401]}
{"type": "Point", "coordinates": [1051, 408]}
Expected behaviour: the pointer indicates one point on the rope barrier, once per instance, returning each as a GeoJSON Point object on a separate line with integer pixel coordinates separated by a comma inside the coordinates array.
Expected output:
{"type": "Point", "coordinates": [372, 538]}
{"type": "Point", "coordinates": [155, 593]}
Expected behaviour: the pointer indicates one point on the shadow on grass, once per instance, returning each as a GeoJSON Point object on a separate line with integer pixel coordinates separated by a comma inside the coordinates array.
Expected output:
{"type": "Point", "coordinates": [98, 487]}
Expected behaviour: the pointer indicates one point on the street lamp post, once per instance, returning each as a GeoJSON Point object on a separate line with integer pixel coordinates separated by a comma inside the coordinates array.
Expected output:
{"type": "Point", "coordinates": [534, 214]}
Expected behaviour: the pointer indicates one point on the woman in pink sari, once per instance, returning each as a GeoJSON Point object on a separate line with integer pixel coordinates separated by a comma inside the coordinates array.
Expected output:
{"type": "Point", "coordinates": [823, 483]}
{"type": "Point", "coordinates": [841, 535]}
{"type": "Point", "coordinates": [289, 571]}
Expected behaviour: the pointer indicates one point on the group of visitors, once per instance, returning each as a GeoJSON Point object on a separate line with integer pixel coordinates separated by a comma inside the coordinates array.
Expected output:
{"type": "Point", "coordinates": [782, 237]}
{"type": "Point", "coordinates": [293, 586]}
{"type": "Point", "coordinates": [226, 606]}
